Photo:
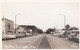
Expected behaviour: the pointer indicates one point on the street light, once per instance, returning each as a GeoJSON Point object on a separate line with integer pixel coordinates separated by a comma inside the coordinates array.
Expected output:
{"type": "Point", "coordinates": [64, 19]}
{"type": "Point", "coordinates": [15, 21]}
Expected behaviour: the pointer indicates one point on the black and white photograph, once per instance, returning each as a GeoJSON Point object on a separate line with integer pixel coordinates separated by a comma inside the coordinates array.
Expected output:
{"type": "Point", "coordinates": [40, 24]}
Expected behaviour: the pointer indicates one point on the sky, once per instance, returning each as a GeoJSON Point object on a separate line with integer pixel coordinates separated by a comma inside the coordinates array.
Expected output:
{"type": "Point", "coordinates": [44, 15]}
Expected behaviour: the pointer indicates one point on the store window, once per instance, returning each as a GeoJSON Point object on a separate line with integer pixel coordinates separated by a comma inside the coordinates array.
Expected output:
{"type": "Point", "coordinates": [9, 26]}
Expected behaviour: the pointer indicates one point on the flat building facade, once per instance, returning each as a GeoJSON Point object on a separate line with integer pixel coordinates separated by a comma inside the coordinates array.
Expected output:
{"type": "Point", "coordinates": [7, 26]}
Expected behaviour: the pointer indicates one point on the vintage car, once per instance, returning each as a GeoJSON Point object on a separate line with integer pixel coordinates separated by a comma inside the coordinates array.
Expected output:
{"type": "Point", "coordinates": [61, 34]}
{"type": "Point", "coordinates": [55, 34]}
{"type": "Point", "coordinates": [4, 37]}
{"type": "Point", "coordinates": [8, 36]}
{"type": "Point", "coordinates": [76, 39]}
{"type": "Point", "coordinates": [74, 35]}
{"type": "Point", "coordinates": [28, 34]}
{"type": "Point", "coordinates": [21, 35]}
{"type": "Point", "coordinates": [71, 36]}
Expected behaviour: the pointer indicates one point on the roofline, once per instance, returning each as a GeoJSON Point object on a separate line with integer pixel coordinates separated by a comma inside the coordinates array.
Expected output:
{"type": "Point", "coordinates": [7, 19]}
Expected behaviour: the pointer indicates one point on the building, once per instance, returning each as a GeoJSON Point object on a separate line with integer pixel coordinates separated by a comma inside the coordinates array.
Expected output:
{"type": "Point", "coordinates": [29, 28]}
{"type": "Point", "coordinates": [7, 26]}
{"type": "Point", "coordinates": [20, 30]}
{"type": "Point", "coordinates": [33, 28]}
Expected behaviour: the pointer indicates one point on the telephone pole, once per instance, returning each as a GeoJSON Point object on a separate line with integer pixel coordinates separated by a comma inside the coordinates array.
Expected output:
{"type": "Point", "coordinates": [15, 21]}
{"type": "Point", "coordinates": [64, 19]}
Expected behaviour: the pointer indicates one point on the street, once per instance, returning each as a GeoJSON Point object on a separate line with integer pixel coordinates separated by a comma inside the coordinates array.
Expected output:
{"type": "Point", "coordinates": [41, 41]}
{"type": "Point", "coordinates": [50, 24]}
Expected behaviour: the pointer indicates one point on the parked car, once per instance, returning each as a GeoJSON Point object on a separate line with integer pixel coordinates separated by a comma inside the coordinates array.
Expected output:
{"type": "Point", "coordinates": [28, 34]}
{"type": "Point", "coordinates": [4, 37]}
{"type": "Point", "coordinates": [12, 36]}
{"type": "Point", "coordinates": [55, 34]}
{"type": "Point", "coordinates": [73, 35]}
{"type": "Point", "coordinates": [67, 33]}
{"type": "Point", "coordinates": [8, 36]}
{"type": "Point", "coordinates": [20, 34]}
{"type": "Point", "coordinates": [17, 35]}
{"type": "Point", "coordinates": [76, 39]}
{"type": "Point", "coordinates": [61, 34]}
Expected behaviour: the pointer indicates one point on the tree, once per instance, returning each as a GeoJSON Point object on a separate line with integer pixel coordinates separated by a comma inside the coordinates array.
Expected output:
{"type": "Point", "coordinates": [50, 30]}
{"type": "Point", "coordinates": [67, 26]}
{"type": "Point", "coordinates": [39, 31]}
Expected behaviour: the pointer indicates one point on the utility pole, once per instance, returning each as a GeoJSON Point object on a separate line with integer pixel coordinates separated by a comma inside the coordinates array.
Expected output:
{"type": "Point", "coordinates": [15, 21]}
{"type": "Point", "coordinates": [3, 24]}
{"type": "Point", "coordinates": [64, 19]}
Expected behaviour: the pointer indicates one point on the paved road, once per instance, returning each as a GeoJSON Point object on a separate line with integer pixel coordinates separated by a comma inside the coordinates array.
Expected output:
{"type": "Point", "coordinates": [22, 43]}
{"type": "Point", "coordinates": [61, 43]}
{"type": "Point", "coordinates": [42, 41]}
{"type": "Point", "coordinates": [44, 44]}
